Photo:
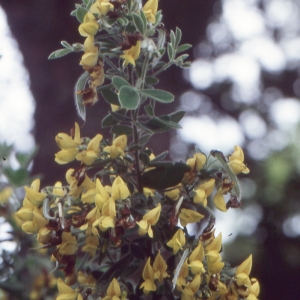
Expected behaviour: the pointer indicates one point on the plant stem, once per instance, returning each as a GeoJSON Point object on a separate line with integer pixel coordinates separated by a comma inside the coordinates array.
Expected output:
{"type": "Point", "coordinates": [166, 66]}
{"type": "Point", "coordinates": [134, 115]}
{"type": "Point", "coordinates": [136, 152]}
{"type": "Point", "coordinates": [113, 66]}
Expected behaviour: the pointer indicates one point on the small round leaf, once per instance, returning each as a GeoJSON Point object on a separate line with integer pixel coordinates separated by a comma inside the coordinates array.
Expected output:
{"type": "Point", "coordinates": [129, 97]}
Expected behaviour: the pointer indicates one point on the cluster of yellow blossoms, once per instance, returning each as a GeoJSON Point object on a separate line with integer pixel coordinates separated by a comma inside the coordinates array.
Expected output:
{"type": "Point", "coordinates": [123, 230]}
{"type": "Point", "coordinates": [54, 211]}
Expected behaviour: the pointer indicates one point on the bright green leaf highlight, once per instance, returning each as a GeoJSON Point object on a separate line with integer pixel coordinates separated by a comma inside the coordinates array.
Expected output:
{"type": "Point", "coordinates": [129, 97]}
{"type": "Point", "coordinates": [158, 95]}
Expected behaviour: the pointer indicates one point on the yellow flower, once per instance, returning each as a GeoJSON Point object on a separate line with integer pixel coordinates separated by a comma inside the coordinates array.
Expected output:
{"type": "Point", "coordinates": [33, 195]}
{"type": "Point", "coordinates": [113, 291]}
{"type": "Point", "coordinates": [89, 59]}
{"type": "Point", "coordinates": [189, 216]}
{"type": "Point", "coordinates": [236, 161]}
{"type": "Point", "coordinates": [243, 272]}
{"type": "Point", "coordinates": [75, 191]}
{"type": "Point", "coordinates": [25, 213]}
{"type": "Point", "coordinates": [89, 26]}
{"type": "Point", "coordinates": [160, 268]}
{"type": "Point", "coordinates": [148, 275]}
{"type": "Point", "coordinates": [5, 194]}
{"type": "Point", "coordinates": [196, 259]}
{"type": "Point", "coordinates": [89, 196]}
{"type": "Point", "coordinates": [92, 151]}
{"type": "Point", "coordinates": [219, 200]}
{"type": "Point", "coordinates": [91, 245]}
{"type": "Point", "coordinates": [107, 219]}
{"type": "Point", "coordinates": [203, 191]}
{"type": "Point", "coordinates": [36, 222]}
{"type": "Point", "coordinates": [86, 279]}
{"type": "Point", "coordinates": [213, 257]}
{"type": "Point", "coordinates": [254, 289]}
{"type": "Point", "coordinates": [148, 192]}
{"type": "Point", "coordinates": [118, 146]}
{"type": "Point", "coordinates": [197, 162]}
{"type": "Point", "coordinates": [58, 189]}
{"type": "Point", "coordinates": [191, 288]}
{"type": "Point", "coordinates": [31, 216]}
{"type": "Point", "coordinates": [68, 245]}
{"type": "Point", "coordinates": [215, 244]}
{"type": "Point", "coordinates": [68, 145]}
{"type": "Point", "coordinates": [149, 219]}
{"type": "Point", "coordinates": [44, 235]}
{"type": "Point", "coordinates": [183, 273]}
{"type": "Point", "coordinates": [150, 10]}
{"type": "Point", "coordinates": [119, 190]}
{"type": "Point", "coordinates": [214, 262]}
{"type": "Point", "coordinates": [173, 194]}
{"type": "Point", "coordinates": [177, 241]}
{"type": "Point", "coordinates": [115, 107]}
{"type": "Point", "coordinates": [132, 54]}
{"type": "Point", "coordinates": [67, 293]}
{"type": "Point", "coordinates": [101, 7]}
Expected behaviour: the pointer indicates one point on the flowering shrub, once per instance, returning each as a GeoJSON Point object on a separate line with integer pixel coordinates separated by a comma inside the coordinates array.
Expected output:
{"type": "Point", "coordinates": [118, 228]}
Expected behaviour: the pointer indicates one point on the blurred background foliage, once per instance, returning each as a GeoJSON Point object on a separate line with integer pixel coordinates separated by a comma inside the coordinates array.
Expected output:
{"type": "Point", "coordinates": [242, 88]}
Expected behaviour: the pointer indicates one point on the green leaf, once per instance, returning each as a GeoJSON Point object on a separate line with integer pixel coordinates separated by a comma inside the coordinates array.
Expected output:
{"type": "Point", "coordinates": [108, 121]}
{"type": "Point", "coordinates": [160, 157]}
{"type": "Point", "coordinates": [17, 177]}
{"type": "Point", "coordinates": [149, 110]}
{"type": "Point", "coordinates": [66, 45]}
{"type": "Point", "coordinates": [158, 18]}
{"type": "Point", "coordinates": [178, 35]}
{"type": "Point", "coordinates": [164, 175]}
{"type": "Point", "coordinates": [111, 97]}
{"type": "Point", "coordinates": [144, 139]}
{"type": "Point", "coordinates": [5, 150]}
{"type": "Point", "coordinates": [177, 116]}
{"type": "Point", "coordinates": [73, 13]}
{"type": "Point", "coordinates": [183, 47]}
{"type": "Point", "coordinates": [121, 129]}
{"type": "Point", "coordinates": [143, 16]}
{"type": "Point", "coordinates": [182, 57]}
{"type": "Point", "coordinates": [80, 13]}
{"type": "Point", "coordinates": [106, 87]}
{"type": "Point", "coordinates": [158, 95]}
{"type": "Point", "coordinates": [60, 53]}
{"type": "Point", "coordinates": [129, 97]}
{"type": "Point", "coordinates": [116, 268]}
{"type": "Point", "coordinates": [160, 124]}
{"type": "Point", "coordinates": [120, 117]}
{"type": "Point", "coordinates": [118, 82]}
{"type": "Point", "coordinates": [170, 51]}
{"type": "Point", "coordinates": [129, 4]}
{"type": "Point", "coordinates": [186, 64]}
{"type": "Point", "coordinates": [151, 80]}
{"type": "Point", "coordinates": [144, 127]}
{"type": "Point", "coordinates": [173, 39]}
{"type": "Point", "coordinates": [138, 21]}
{"type": "Point", "coordinates": [24, 159]}
{"type": "Point", "coordinates": [80, 84]}
{"type": "Point", "coordinates": [123, 21]}
{"type": "Point", "coordinates": [168, 124]}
